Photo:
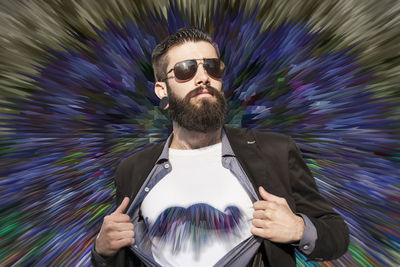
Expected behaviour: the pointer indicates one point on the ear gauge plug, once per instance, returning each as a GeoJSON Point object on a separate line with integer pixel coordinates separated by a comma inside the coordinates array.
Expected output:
{"type": "Point", "coordinates": [163, 102]}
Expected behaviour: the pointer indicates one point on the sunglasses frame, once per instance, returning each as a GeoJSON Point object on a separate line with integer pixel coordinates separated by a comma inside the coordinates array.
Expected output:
{"type": "Point", "coordinates": [197, 67]}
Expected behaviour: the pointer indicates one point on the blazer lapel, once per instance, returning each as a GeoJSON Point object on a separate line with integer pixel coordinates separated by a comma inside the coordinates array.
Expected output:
{"type": "Point", "coordinates": [147, 159]}
{"type": "Point", "coordinates": [248, 154]}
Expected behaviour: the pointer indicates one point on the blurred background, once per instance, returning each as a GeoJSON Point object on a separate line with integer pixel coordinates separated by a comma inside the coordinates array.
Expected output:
{"type": "Point", "coordinates": [76, 96]}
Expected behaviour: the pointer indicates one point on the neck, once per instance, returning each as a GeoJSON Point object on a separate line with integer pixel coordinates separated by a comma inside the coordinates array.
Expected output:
{"type": "Point", "coordinates": [185, 139]}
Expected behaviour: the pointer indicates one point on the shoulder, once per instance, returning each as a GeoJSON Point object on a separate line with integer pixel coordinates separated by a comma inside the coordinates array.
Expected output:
{"type": "Point", "coordinates": [261, 137]}
{"type": "Point", "coordinates": [141, 156]}
{"type": "Point", "coordinates": [133, 170]}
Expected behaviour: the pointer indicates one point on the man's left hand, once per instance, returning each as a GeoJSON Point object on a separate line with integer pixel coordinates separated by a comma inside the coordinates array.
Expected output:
{"type": "Point", "coordinates": [274, 220]}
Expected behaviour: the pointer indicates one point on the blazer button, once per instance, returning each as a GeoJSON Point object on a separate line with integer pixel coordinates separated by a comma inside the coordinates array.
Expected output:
{"type": "Point", "coordinates": [166, 165]}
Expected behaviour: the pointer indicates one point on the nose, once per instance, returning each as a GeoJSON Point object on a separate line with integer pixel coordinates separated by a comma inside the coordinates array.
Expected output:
{"type": "Point", "coordinates": [201, 77]}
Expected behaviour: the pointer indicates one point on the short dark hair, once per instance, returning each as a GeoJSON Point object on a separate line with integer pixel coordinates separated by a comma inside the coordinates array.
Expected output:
{"type": "Point", "coordinates": [159, 58]}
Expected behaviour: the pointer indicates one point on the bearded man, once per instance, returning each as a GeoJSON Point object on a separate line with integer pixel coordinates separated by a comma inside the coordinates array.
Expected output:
{"type": "Point", "coordinates": [213, 195]}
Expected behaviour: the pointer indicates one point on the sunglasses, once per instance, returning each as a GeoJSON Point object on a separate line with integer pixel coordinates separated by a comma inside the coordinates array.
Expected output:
{"type": "Point", "coordinates": [187, 69]}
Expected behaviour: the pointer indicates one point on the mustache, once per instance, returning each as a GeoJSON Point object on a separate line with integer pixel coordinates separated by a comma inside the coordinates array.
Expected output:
{"type": "Point", "coordinates": [213, 91]}
{"type": "Point", "coordinates": [199, 223]}
{"type": "Point", "coordinates": [199, 215]}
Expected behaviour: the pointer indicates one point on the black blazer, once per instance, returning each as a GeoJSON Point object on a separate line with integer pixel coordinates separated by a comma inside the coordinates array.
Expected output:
{"type": "Point", "coordinates": [272, 161]}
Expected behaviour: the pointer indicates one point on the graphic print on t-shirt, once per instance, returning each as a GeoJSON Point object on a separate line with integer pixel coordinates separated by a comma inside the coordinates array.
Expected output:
{"type": "Point", "coordinates": [198, 224]}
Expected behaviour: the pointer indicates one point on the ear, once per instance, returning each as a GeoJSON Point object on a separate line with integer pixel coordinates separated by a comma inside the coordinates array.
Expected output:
{"type": "Point", "coordinates": [160, 88]}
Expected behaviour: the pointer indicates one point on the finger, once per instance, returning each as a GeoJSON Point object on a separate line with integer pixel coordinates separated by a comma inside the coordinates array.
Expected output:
{"type": "Point", "coordinates": [119, 217]}
{"type": "Point", "coordinates": [123, 235]}
{"type": "Point", "coordinates": [118, 244]}
{"type": "Point", "coordinates": [265, 205]}
{"type": "Point", "coordinates": [268, 196]}
{"type": "Point", "coordinates": [118, 227]}
{"type": "Point", "coordinates": [260, 205]}
{"type": "Point", "coordinates": [259, 232]}
{"type": "Point", "coordinates": [260, 223]}
{"type": "Point", "coordinates": [125, 226]}
{"type": "Point", "coordinates": [122, 207]}
{"type": "Point", "coordinates": [261, 214]}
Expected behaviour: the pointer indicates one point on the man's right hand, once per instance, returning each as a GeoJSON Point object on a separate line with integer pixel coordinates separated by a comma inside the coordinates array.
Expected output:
{"type": "Point", "coordinates": [116, 231]}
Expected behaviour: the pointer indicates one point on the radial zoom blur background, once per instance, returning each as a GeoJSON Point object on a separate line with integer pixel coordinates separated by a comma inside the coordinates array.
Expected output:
{"type": "Point", "coordinates": [76, 97]}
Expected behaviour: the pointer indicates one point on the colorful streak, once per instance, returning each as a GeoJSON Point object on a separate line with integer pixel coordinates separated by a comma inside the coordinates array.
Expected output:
{"type": "Point", "coordinates": [77, 96]}
{"type": "Point", "coordinates": [198, 224]}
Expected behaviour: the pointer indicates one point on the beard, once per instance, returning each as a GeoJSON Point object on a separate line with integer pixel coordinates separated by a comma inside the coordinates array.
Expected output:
{"type": "Point", "coordinates": [206, 115]}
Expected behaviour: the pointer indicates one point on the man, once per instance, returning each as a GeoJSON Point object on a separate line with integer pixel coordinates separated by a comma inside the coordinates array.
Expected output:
{"type": "Point", "coordinates": [213, 195]}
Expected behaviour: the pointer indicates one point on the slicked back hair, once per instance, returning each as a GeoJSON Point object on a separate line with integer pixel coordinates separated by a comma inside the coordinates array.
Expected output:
{"type": "Point", "coordinates": [159, 58]}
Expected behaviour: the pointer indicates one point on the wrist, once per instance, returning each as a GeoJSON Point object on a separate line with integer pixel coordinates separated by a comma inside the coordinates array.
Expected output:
{"type": "Point", "coordinates": [300, 226]}
{"type": "Point", "coordinates": [97, 248]}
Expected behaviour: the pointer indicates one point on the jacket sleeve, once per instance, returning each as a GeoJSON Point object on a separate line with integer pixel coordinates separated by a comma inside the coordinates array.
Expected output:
{"type": "Point", "coordinates": [332, 231]}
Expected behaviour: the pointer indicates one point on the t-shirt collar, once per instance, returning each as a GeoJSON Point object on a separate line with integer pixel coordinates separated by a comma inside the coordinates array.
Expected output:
{"type": "Point", "coordinates": [226, 147]}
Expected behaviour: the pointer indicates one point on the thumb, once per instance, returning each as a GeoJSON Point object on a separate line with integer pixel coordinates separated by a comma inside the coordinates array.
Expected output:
{"type": "Point", "coordinates": [122, 207]}
{"type": "Point", "coordinates": [268, 196]}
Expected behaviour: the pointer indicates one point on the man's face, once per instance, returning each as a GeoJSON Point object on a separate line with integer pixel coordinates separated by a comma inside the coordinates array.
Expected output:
{"type": "Point", "coordinates": [191, 50]}
{"type": "Point", "coordinates": [197, 104]}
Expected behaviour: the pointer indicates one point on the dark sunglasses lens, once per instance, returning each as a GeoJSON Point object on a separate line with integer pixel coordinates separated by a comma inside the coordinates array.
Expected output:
{"type": "Point", "coordinates": [214, 67]}
{"type": "Point", "coordinates": [185, 70]}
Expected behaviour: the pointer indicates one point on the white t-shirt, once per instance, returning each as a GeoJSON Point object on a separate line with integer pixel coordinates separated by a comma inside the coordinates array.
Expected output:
{"type": "Point", "coordinates": [198, 212]}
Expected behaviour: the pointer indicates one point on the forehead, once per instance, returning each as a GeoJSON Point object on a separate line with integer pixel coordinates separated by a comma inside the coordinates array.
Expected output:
{"type": "Point", "coordinates": [190, 50]}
